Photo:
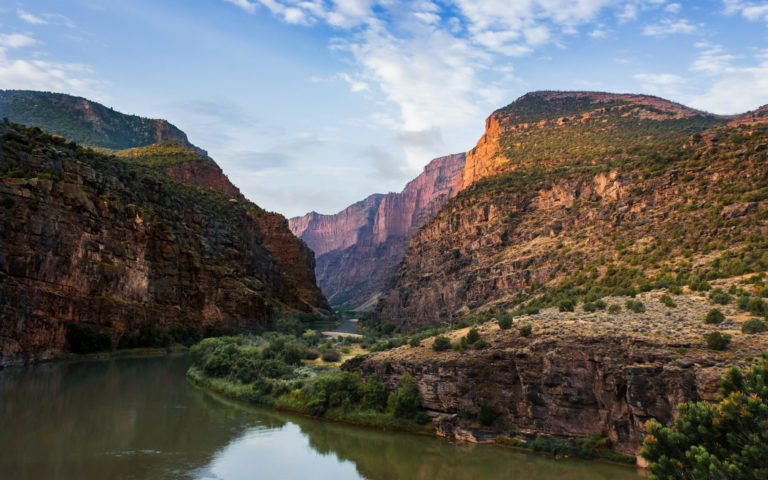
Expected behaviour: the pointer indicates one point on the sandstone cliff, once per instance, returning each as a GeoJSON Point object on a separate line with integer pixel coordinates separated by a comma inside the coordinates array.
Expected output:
{"type": "Point", "coordinates": [359, 248]}
{"type": "Point", "coordinates": [115, 244]}
{"type": "Point", "coordinates": [620, 193]}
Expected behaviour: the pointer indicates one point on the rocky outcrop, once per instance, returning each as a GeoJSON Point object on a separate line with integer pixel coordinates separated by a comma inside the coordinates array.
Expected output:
{"type": "Point", "coordinates": [86, 122]}
{"type": "Point", "coordinates": [578, 373]}
{"type": "Point", "coordinates": [105, 242]}
{"type": "Point", "coordinates": [204, 173]}
{"type": "Point", "coordinates": [359, 248]}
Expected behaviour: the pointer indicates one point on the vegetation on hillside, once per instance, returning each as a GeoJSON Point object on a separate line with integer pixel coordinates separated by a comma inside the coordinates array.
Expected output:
{"type": "Point", "coordinates": [80, 120]}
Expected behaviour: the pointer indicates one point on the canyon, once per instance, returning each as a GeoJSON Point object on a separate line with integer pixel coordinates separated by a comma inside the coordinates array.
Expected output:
{"type": "Point", "coordinates": [358, 249]}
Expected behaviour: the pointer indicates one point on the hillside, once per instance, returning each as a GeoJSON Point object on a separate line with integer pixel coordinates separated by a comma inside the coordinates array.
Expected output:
{"type": "Point", "coordinates": [581, 195]}
{"type": "Point", "coordinates": [84, 121]}
{"type": "Point", "coordinates": [359, 248]}
{"type": "Point", "coordinates": [115, 244]}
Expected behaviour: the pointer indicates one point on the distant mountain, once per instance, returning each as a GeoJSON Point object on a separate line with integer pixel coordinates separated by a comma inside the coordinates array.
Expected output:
{"type": "Point", "coordinates": [359, 248]}
{"type": "Point", "coordinates": [579, 193]}
{"type": "Point", "coordinates": [84, 121]}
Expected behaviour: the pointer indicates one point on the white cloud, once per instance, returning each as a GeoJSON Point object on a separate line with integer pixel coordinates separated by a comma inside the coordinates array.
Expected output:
{"type": "Point", "coordinates": [29, 18]}
{"type": "Point", "coordinates": [16, 40]}
{"type": "Point", "coordinates": [669, 27]}
{"type": "Point", "coordinates": [662, 84]}
{"type": "Point", "coordinates": [673, 7]}
{"type": "Point", "coordinates": [48, 76]}
{"type": "Point", "coordinates": [249, 7]}
{"type": "Point", "coordinates": [736, 88]}
{"type": "Point", "coordinates": [749, 10]}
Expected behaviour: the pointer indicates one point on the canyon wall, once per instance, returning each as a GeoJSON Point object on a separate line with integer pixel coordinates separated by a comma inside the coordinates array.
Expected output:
{"type": "Point", "coordinates": [105, 242]}
{"type": "Point", "coordinates": [359, 248]}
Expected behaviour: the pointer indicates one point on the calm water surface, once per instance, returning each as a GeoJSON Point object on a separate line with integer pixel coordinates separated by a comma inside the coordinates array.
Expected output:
{"type": "Point", "coordinates": [139, 418]}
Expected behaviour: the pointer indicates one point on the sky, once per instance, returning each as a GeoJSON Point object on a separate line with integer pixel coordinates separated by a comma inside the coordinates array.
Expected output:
{"type": "Point", "coordinates": [311, 105]}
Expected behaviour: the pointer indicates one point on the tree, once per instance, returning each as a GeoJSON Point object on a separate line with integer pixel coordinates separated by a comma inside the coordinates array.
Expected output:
{"type": "Point", "coordinates": [725, 440]}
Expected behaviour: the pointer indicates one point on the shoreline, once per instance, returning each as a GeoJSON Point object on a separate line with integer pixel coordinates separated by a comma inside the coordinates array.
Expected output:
{"type": "Point", "coordinates": [232, 391]}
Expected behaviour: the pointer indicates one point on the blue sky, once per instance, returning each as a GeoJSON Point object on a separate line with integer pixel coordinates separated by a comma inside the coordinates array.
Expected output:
{"type": "Point", "coordinates": [315, 104]}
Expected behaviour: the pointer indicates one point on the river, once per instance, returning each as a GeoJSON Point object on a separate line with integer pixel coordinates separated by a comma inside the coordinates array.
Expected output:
{"type": "Point", "coordinates": [138, 418]}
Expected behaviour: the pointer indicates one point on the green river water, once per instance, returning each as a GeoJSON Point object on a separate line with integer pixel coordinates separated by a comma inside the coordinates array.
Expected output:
{"type": "Point", "coordinates": [138, 418]}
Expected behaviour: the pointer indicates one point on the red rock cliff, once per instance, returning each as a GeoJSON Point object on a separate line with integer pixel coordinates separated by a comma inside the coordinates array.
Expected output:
{"type": "Point", "coordinates": [359, 248]}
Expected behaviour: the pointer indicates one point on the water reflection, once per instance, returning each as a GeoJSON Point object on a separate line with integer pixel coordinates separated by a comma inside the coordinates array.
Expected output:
{"type": "Point", "coordinates": [139, 418]}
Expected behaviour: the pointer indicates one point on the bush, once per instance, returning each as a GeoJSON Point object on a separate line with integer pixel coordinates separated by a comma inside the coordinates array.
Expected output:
{"type": "Point", "coordinates": [635, 306]}
{"type": "Point", "coordinates": [589, 307]}
{"type": "Point", "coordinates": [667, 301]}
{"type": "Point", "coordinates": [405, 402]}
{"type": "Point", "coordinates": [743, 301]}
{"type": "Point", "coordinates": [757, 306]}
{"type": "Point", "coordinates": [441, 343]}
{"type": "Point", "coordinates": [375, 394]}
{"type": "Point", "coordinates": [525, 330]}
{"type": "Point", "coordinates": [719, 296]}
{"type": "Point", "coordinates": [675, 290]}
{"type": "Point", "coordinates": [566, 305]}
{"type": "Point", "coordinates": [714, 316]}
{"type": "Point", "coordinates": [614, 309]}
{"type": "Point", "coordinates": [311, 354]}
{"type": "Point", "coordinates": [7, 202]}
{"type": "Point", "coordinates": [472, 336]}
{"type": "Point", "coordinates": [718, 341]}
{"type": "Point", "coordinates": [84, 339]}
{"type": "Point", "coordinates": [331, 355]}
{"type": "Point", "coordinates": [415, 342]}
{"type": "Point", "coordinates": [726, 440]}
{"type": "Point", "coordinates": [480, 344]}
{"type": "Point", "coordinates": [600, 304]}
{"type": "Point", "coordinates": [487, 414]}
{"type": "Point", "coordinates": [505, 321]}
{"type": "Point", "coordinates": [753, 325]}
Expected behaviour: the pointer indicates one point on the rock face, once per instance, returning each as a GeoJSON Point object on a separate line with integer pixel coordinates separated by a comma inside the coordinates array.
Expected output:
{"type": "Point", "coordinates": [84, 121]}
{"type": "Point", "coordinates": [586, 184]}
{"type": "Point", "coordinates": [578, 373]}
{"type": "Point", "coordinates": [110, 243]}
{"type": "Point", "coordinates": [359, 248]}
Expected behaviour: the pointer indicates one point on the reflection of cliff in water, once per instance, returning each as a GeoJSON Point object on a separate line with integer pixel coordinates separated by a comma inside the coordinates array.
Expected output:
{"type": "Point", "coordinates": [121, 418]}
{"type": "Point", "coordinates": [398, 456]}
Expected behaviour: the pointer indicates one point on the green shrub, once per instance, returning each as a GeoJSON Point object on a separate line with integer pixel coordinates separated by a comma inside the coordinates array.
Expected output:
{"type": "Point", "coordinates": [675, 290]}
{"type": "Point", "coordinates": [635, 306]}
{"type": "Point", "coordinates": [566, 305]}
{"type": "Point", "coordinates": [525, 330]}
{"type": "Point", "coordinates": [724, 440]}
{"type": "Point", "coordinates": [414, 342]}
{"type": "Point", "coordinates": [600, 304]}
{"type": "Point", "coordinates": [714, 316]}
{"type": "Point", "coordinates": [743, 301]}
{"type": "Point", "coordinates": [331, 355]}
{"type": "Point", "coordinates": [614, 309]}
{"type": "Point", "coordinates": [311, 354]}
{"type": "Point", "coordinates": [753, 325]}
{"type": "Point", "coordinates": [480, 344]}
{"type": "Point", "coordinates": [405, 402]}
{"type": "Point", "coordinates": [441, 343]}
{"type": "Point", "coordinates": [717, 340]}
{"type": "Point", "coordinates": [757, 306]}
{"type": "Point", "coordinates": [375, 394]}
{"type": "Point", "coordinates": [84, 339]}
{"type": "Point", "coordinates": [487, 414]}
{"type": "Point", "coordinates": [719, 296]}
{"type": "Point", "coordinates": [589, 307]}
{"type": "Point", "coordinates": [667, 301]}
{"type": "Point", "coordinates": [472, 336]}
{"type": "Point", "coordinates": [505, 321]}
